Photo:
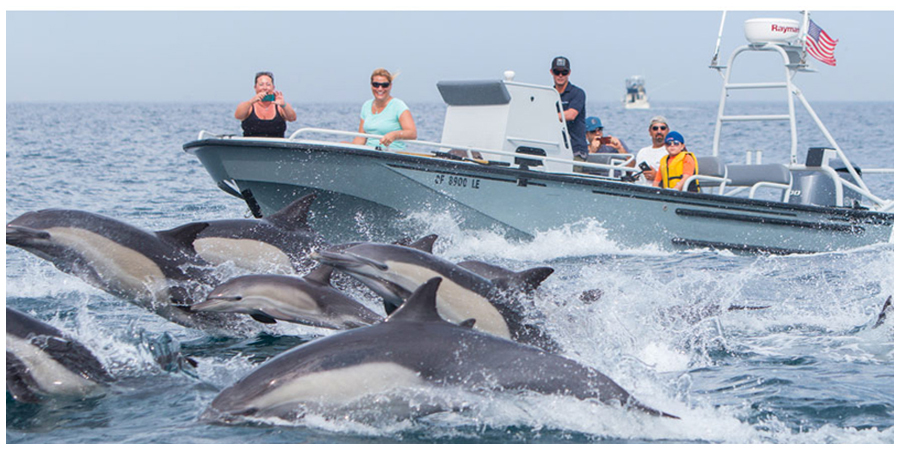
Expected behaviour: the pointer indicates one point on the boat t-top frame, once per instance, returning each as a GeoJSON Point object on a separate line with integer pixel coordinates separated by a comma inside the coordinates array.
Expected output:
{"type": "Point", "coordinates": [793, 55]}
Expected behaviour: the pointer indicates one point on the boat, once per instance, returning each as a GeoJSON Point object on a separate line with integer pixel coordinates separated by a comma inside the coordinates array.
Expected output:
{"type": "Point", "coordinates": [504, 163]}
{"type": "Point", "coordinates": [635, 94]}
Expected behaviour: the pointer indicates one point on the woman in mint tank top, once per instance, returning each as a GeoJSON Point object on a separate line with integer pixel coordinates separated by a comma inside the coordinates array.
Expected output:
{"type": "Point", "coordinates": [385, 116]}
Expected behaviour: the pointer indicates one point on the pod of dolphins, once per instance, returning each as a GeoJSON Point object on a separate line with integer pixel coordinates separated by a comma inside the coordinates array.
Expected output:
{"type": "Point", "coordinates": [459, 325]}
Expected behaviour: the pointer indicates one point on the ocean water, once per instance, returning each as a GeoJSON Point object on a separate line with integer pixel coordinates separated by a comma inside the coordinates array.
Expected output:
{"type": "Point", "coordinates": [808, 368]}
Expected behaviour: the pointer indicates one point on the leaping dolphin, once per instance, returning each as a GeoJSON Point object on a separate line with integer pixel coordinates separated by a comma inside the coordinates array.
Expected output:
{"type": "Point", "coordinates": [394, 271]}
{"type": "Point", "coordinates": [158, 273]}
{"type": "Point", "coordinates": [414, 347]}
{"type": "Point", "coordinates": [526, 280]}
{"type": "Point", "coordinates": [279, 243]}
{"type": "Point", "coordinates": [886, 314]}
{"type": "Point", "coordinates": [41, 361]}
{"type": "Point", "coordinates": [310, 300]}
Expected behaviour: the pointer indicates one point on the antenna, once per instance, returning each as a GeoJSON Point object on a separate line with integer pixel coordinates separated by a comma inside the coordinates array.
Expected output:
{"type": "Point", "coordinates": [715, 59]}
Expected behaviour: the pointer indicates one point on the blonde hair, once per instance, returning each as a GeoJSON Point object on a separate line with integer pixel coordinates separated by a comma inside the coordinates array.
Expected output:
{"type": "Point", "coordinates": [381, 72]}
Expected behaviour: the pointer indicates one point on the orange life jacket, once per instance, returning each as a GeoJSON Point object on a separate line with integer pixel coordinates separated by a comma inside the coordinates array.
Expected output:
{"type": "Point", "coordinates": [671, 168]}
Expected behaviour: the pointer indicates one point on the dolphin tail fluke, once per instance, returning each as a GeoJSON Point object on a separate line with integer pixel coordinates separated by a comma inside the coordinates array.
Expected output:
{"type": "Point", "coordinates": [421, 306]}
{"type": "Point", "coordinates": [294, 215]}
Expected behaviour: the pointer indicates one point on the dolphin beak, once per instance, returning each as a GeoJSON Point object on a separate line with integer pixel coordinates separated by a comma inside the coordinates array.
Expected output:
{"type": "Point", "coordinates": [17, 234]}
{"type": "Point", "coordinates": [344, 260]}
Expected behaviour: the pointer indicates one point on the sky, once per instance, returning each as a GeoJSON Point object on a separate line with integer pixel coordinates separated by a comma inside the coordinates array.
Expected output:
{"type": "Point", "coordinates": [327, 56]}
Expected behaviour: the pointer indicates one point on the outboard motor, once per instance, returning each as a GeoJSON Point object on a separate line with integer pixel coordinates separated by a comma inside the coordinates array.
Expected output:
{"type": "Point", "coordinates": [817, 188]}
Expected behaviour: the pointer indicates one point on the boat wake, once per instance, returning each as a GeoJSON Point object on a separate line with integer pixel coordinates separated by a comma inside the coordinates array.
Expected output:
{"type": "Point", "coordinates": [585, 238]}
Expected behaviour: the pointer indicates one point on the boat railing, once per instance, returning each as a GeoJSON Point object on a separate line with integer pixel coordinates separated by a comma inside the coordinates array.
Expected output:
{"type": "Point", "coordinates": [792, 92]}
{"type": "Point", "coordinates": [470, 151]}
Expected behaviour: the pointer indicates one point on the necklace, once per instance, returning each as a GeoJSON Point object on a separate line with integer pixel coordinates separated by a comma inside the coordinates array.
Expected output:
{"type": "Point", "coordinates": [376, 109]}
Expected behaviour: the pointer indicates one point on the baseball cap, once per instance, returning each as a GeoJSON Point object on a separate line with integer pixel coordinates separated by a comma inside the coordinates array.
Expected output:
{"type": "Point", "coordinates": [658, 119]}
{"type": "Point", "coordinates": [674, 136]}
{"type": "Point", "coordinates": [593, 123]}
{"type": "Point", "coordinates": [560, 63]}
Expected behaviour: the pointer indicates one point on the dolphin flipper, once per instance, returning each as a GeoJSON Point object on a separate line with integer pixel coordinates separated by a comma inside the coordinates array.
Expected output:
{"type": "Point", "coordinates": [264, 318]}
{"type": "Point", "coordinates": [18, 382]}
{"type": "Point", "coordinates": [74, 355]}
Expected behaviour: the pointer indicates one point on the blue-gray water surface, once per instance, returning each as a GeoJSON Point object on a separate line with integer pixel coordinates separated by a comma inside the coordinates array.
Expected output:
{"type": "Point", "coordinates": [809, 368]}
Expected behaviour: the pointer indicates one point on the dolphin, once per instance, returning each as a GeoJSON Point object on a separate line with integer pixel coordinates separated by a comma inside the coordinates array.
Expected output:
{"type": "Point", "coordinates": [527, 280]}
{"type": "Point", "coordinates": [41, 362]}
{"type": "Point", "coordinates": [159, 273]}
{"type": "Point", "coordinates": [413, 348]}
{"type": "Point", "coordinates": [310, 300]}
{"type": "Point", "coordinates": [886, 314]}
{"type": "Point", "coordinates": [394, 271]}
{"type": "Point", "coordinates": [278, 243]}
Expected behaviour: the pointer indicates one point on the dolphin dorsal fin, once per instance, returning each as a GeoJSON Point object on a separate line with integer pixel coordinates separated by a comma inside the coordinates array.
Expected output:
{"type": "Point", "coordinates": [529, 279]}
{"type": "Point", "coordinates": [421, 305]}
{"type": "Point", "coordinates": [294, 215]}
{"type": "Point", "coordinates": [425, 244]}
{"type": "Point", "coordinates": [320, 275]}
{"type": "Point", "coordinates": [183, 236]}
{"type": "Point", "coordinates": [532, 278]}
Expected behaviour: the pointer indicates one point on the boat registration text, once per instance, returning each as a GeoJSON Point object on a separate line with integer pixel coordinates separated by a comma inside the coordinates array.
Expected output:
{"type": "Point", "coordinates": [457, 181]}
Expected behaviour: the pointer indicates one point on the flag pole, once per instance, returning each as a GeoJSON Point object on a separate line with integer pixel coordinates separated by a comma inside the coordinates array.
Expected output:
{"type": "Point", "coordinates": [804, 30]}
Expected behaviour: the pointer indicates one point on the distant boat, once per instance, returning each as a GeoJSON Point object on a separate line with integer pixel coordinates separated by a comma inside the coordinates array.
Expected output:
{"type": "Point", "coordinates": [635, 94]}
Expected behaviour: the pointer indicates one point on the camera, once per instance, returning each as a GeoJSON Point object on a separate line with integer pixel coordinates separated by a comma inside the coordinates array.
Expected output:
{"type": "Point", "coordinates": [605, 140]}
{"type": "Point", "coordinates": [269, 98]}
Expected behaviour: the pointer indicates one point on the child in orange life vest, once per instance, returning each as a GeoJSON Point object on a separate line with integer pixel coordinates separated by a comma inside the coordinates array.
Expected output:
{"type": "Point", "coordinates": [677, 166]}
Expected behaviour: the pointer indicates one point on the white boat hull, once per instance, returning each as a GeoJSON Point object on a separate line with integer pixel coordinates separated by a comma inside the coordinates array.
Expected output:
{"type": "Point", "coordinates": [361, 190]}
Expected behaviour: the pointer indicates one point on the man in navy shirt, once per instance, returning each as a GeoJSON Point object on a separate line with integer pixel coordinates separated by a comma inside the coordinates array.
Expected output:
{"type": "Point", "coordinates": [573, 102]}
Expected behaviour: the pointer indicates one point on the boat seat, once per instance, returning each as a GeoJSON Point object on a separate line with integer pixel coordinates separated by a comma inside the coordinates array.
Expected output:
{"type": "Point", "coordinates": [712, 172]}
{"type": "Point", "coordinates": [604, 158]}
{"type": "Point", "coordinates": [524, 163]}
{"type": "Point", "coordinates": [756, 176]}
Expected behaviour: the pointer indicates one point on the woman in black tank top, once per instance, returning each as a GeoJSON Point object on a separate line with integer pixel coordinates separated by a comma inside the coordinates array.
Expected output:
{"type": "Point", "coordinates": [265, 114]}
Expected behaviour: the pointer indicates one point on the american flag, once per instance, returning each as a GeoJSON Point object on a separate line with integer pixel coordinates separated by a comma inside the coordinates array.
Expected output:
{"type": "Point", "coordinates": [820, 45]}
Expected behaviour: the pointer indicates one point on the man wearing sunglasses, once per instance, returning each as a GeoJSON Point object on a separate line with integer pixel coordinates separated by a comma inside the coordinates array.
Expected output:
{"type": "Point", "coordinates": [573, 102]}
{"type": "Point", "coordinates": [653, 153]}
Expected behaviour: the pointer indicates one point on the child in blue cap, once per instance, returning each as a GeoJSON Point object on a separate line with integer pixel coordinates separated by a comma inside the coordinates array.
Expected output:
{"type": "Point", "coordinates": [677, 165]}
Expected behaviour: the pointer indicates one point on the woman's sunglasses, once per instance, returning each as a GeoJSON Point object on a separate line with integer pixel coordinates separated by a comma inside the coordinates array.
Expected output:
{"type": "Point", "coordinates": [380, 85]}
